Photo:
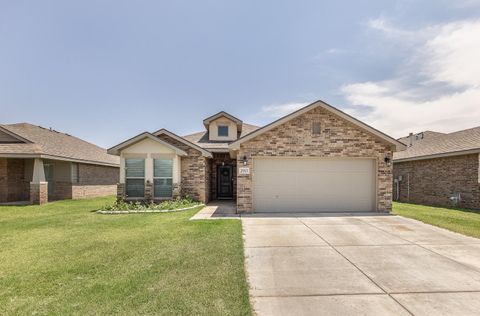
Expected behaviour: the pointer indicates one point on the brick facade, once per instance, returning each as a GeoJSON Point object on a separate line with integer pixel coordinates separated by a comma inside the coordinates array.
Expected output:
{"type": "Point", "coordinates": [38, 193]}
{"type": "Point", "coordinates": [3, 180]}
{"type": "Point", "coordinates": [434, 181]}
{"type": "Point", "coordinates": [195, 172]}
{"type": "Point", "coordinates": [294, 138]}
{"type": "Point", "coordinates": [94, 180]}
{"type": "Point", "coordinates": [14, 185]}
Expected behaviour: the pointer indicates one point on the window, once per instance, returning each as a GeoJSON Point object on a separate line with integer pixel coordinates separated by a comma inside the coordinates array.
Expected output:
{"type": "Point", "coordinates": [316, 128]}
{"type": "Point", "coordinates": [135, 177]}
{"type": "Point", "coordinates": [162, 178]}
{"type": "Point", "coordinates": [75, 174]}
{"type": "Point", "coordinates": [222, 130]}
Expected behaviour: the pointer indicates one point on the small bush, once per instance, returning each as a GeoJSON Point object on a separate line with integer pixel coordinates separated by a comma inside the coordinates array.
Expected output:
{"type": "Point", "coordinates": [177, 203]}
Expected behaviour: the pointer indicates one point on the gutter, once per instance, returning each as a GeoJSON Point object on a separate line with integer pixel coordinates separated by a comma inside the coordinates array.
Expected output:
{"type": "Point", "coordinates": [52, 157]}
{"type": "Point", "coordinates": [440, 155]}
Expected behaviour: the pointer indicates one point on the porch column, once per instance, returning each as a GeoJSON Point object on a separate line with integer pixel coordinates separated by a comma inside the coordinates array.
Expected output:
{"type": "Point", "coordinates": [38, 185]}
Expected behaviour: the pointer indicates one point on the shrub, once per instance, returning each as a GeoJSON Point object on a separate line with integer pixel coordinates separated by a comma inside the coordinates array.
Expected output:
{"type": "Point", "coordinates": [177, 203]}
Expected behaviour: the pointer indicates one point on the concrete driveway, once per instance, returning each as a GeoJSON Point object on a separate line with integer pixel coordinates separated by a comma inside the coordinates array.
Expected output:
{"type": "Point", "coordinates": [359, 265]}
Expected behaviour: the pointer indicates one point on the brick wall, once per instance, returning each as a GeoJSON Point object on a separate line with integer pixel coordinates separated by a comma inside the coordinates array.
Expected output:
{"type": "Point", "coordinates": [98, 175]}
{"type": "Point", "coordinates": [38, 193]}
{"type": "Point", "coordinates": [62, 190]}
{"type": "Point", "coordinates": [434, 181]}
{"type": "Point", "coordinates": [194, 171]}
{"type": "Point", "coordinates": [91, 191]}
{"type": "Point", "coordinates": [3, 180]}
{"type": "Point", "coordinates": [94, 181]}
{"type": "Point", "coordinates": [338, 138]}
{"type": "Point", "coordinates": [13, 184]}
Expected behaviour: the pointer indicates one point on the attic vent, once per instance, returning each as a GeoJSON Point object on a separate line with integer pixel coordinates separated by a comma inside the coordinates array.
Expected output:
{"type": "Point", "coordinates": [316, 128]}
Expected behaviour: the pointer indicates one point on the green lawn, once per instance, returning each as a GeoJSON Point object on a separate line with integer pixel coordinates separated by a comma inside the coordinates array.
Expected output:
{"type": "Point", "coordinates": [462, 221]}
{"type": "Point", "coordinates": [63, 259]}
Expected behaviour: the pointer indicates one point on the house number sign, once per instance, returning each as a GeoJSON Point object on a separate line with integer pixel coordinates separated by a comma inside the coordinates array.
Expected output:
{"type": "Point", "coordinates": [243, 170]}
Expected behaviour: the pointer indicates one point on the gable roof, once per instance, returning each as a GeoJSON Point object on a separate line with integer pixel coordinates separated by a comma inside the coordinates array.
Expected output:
{"type": "Point", "coordinates": [11, 137]}
{"type": "Point", "coordinates": [204, 152]}
{"type": "Point", "coordinates": [40, 142]}
{"type": "Point", "coordinates": [397, 145]}
{"type": "Point", "coordinates": [201, 139]}
{"type": "Point", "coordinates": [115, 150]}
{"type": "Point", "coordinates": [441, 145]}
{"type": "Point", "coordinates": [209, 119]}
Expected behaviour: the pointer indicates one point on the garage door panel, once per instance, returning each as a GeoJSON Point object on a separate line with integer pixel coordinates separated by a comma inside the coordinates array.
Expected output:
{"type": "Point", "coordinates": [313, 185]}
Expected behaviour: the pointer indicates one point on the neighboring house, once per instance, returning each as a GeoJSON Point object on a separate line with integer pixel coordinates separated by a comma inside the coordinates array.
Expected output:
{"type": "Point", "coordinates": [317, 159]}
{"type": "Point", "coordinates": [439, 169]}
{"type": "Point", "coordinates": [39, 165]}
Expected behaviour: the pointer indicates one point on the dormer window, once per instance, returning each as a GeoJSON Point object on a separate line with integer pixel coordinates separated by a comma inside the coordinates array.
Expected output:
{"type": "Point", "coordinates": [223, 130]}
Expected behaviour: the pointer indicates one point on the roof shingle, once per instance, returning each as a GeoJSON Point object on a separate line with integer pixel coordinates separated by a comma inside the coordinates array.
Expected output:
{"type": "Point", "coordinates": [53, 143]}
{"type": "Point", "coordinates": [438, 143]}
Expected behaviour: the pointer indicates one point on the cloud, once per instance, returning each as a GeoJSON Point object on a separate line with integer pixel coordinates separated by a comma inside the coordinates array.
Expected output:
{"type": "Point", "coordinates": [278, 110]}
{"type": "Point", "coordinates": [437, 87]}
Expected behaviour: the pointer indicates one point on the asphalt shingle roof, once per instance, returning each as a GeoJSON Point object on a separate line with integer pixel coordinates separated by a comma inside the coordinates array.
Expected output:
{"type": "Point", "coordinates": [53, 143]}
{"type": "Point", "coordinates": [438, 143]}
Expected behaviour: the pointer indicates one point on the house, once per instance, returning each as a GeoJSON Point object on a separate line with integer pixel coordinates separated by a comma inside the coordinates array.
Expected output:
{"type": "Point", "coordinates": [439, 169]}
{"type": "Point", "coordinates": [317, 159]}
{"type": "Point", "coordinates": [39, 165]}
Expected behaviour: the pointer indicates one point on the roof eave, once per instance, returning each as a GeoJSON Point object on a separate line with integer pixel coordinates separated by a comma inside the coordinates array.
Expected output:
{"type": "Point", "coordinates": [115, 150]}
{"type": "Point", "coordinates": [204, 152]}
{"type": "Point", "coordinates": [15, 135]}
{"type": "Point", "coordinates": [439, 155]}
{"type": "Point", "coordinates": [396, 145]}
{"type": "Point", "coordinates": [61, 158]}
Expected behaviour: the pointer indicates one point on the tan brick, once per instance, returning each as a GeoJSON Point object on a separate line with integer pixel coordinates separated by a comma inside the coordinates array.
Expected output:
{"type": "Point", "coordinates": [434, 181]}
{"type": "Point", "coordinates": [338, 138]}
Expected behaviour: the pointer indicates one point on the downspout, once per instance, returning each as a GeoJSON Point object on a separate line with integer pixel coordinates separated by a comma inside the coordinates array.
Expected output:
{"type": "Point", "coordinates": [408, 187]}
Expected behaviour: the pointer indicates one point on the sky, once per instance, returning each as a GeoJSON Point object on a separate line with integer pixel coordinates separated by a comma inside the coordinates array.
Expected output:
{"type": "Point", "coordinates": [105, 71]}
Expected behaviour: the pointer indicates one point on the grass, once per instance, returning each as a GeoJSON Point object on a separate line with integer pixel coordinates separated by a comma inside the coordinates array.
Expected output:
{"type": "Point", "coordinates": [462, 221]}
{"type": "Point", "coordinates": [63, 259]}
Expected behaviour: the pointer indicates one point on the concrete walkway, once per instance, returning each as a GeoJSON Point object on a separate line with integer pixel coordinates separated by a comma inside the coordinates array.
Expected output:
{"type": "Point", "coordinates": [359, 265]}
{"type": "Point", "coordinates": [217, 210]}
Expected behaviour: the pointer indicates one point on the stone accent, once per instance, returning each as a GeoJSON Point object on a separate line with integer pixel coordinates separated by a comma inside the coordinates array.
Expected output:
{"type": "Point", "coordinates": [194, 171]}
{"type": "Point", "coordinates": [148, 191]}
{"type": "Point", "coordinates": [120, 191]}
{"type": "Point", "coordinates": [39, 193]}
{"type": "Point", "coordinates": [338, 138]}
{"type": "Point", "coordinates": [176, 190]}
{"type": "Point", "coordinates": [434, 181]}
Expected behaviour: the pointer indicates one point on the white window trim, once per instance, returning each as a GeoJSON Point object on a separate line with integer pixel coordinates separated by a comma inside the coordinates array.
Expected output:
{"type": "Point", "coordinates": [223, 125]}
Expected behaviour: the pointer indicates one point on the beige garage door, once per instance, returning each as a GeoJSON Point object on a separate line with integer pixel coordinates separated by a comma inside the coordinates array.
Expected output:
{"type": "Point", "coordinates": [313, 185]}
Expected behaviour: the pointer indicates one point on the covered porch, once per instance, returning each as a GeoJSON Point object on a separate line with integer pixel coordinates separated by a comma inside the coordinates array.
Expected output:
{"type": "Point", "coordinates": [35, 180]}
{"type": "Point", "coordinates": [223, 180]}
